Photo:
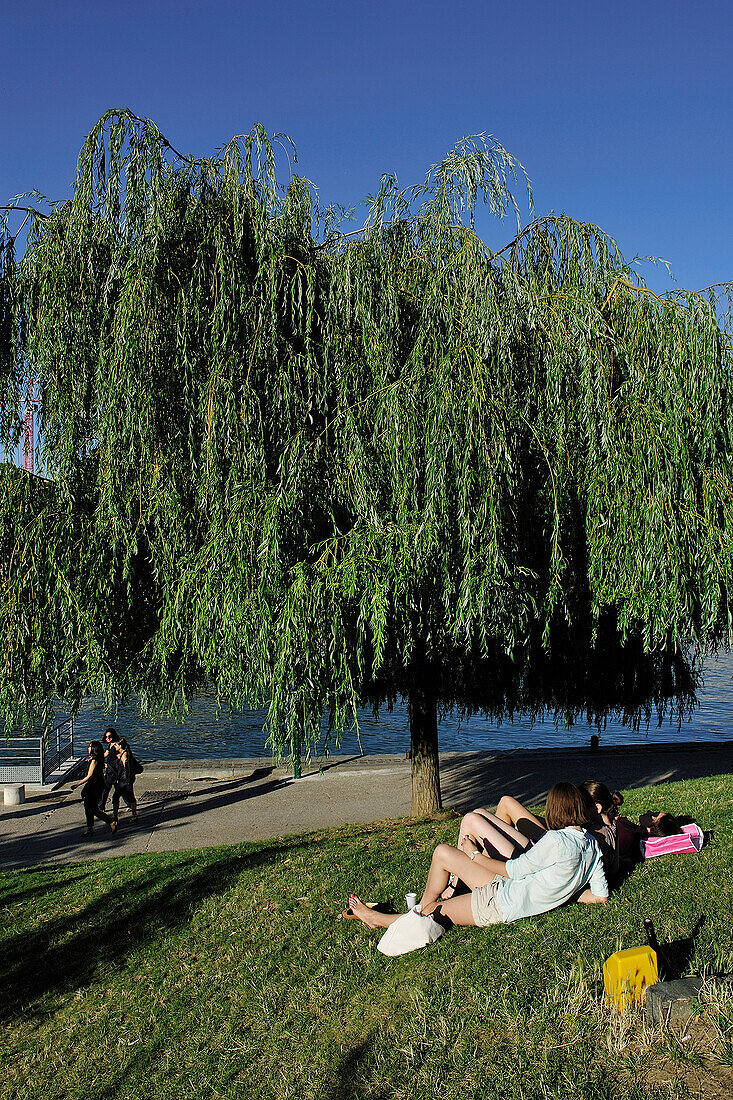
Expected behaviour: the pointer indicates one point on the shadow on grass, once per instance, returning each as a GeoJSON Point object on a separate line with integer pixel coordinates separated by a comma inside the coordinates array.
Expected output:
{"type": "Point", "coordinates": [20, 893]}
{"type": "Point", "coordinates": [69, 950]}
{"type": "Point", "coordinates": [675, 956]}
{"type": "Point", "coordinates": [351, 1083]}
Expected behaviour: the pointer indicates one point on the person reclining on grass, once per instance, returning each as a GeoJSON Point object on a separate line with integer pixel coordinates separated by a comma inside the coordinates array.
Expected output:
{"type": "Point", "coordinates": [651, 823]}
{"type": "Point", "coordinates": [513, 828]}
{"type": "Point", "coordinates": [563, 865]}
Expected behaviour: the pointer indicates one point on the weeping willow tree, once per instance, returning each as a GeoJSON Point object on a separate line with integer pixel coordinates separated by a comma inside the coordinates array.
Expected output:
{"type": "Point", "coordinates": [315, 468]}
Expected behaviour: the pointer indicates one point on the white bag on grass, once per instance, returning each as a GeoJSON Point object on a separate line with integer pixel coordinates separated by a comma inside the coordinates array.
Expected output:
{"type": "Point", "coordinates": [409, 932]}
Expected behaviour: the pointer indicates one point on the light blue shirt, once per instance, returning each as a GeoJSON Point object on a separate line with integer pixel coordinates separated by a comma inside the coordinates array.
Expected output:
{"type": "Point", "coordinates": [561, 864]}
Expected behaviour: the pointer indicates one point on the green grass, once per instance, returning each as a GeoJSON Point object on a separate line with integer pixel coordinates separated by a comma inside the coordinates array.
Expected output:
{"type": "Point", "coordinates": [224, 973]}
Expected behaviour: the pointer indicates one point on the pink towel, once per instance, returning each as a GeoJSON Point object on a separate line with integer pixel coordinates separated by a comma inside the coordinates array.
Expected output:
{"type": "Point", "coordinates": [689, 840]}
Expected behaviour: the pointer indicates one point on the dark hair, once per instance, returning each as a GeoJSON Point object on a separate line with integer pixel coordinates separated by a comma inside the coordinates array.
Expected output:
{"type": "Point", "coordinates": [618, 799]}
{"type": "Point", "coordinates": [665, 826]}
{"type": "Point", "coordinates": [565, 806]}
{"type": "Point", "coordinates": [600, 794]}
{"type": "Point", "coordinates": [122, 744]}
{"type": "Point", "coordinates": [113, 732]}
{"type": "Point", "coordinates": [96, 750]}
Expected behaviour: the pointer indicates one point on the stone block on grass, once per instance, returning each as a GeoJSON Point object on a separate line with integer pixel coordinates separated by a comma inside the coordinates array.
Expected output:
{"type": "Point", "coordinates": [668, 1002]}
{"type": "Point", "coordinates": [672, 1002]}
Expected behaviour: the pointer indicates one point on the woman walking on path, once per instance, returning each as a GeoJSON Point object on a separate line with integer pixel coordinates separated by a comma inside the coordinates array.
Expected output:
{"type": "Point", "coordinates": [563, 865]}
{"type": "Point", "coordinates": [125, 785]}
{"type": "Point", "coordinates": [93, 787]}
{"type": "Point", "coordinates": [112, 767]}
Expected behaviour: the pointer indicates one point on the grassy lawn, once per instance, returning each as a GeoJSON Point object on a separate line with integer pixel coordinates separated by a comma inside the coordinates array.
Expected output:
{"type": "Point", "coordinates": [225, 973]}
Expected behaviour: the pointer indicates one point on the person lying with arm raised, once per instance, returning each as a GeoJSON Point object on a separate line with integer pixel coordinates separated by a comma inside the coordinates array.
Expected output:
{"type": "Point", "coordinates": [564, 865]}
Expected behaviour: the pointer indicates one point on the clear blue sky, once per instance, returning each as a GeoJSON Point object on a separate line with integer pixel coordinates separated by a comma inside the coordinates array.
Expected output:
{"type": "Point", "coordinates": [621, 112]}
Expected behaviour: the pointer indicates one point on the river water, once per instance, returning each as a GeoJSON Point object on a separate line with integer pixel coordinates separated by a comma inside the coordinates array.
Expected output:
{"type": "Point", "coordinates": [239, 734]}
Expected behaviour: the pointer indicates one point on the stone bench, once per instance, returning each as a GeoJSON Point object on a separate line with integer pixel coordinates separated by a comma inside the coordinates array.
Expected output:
{"type": "Point", "coordinates": [13, 794]}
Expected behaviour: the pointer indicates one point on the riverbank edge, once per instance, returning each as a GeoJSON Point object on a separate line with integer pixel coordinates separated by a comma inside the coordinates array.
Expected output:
{"type": "Point", "coordinates": [217, 768]}
{"type": "Point", "coordinates": [230, 767]}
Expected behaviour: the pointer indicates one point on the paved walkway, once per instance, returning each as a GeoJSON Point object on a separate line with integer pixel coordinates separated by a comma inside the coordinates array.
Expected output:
{"type": "Point", "coordinates": [197, 804]}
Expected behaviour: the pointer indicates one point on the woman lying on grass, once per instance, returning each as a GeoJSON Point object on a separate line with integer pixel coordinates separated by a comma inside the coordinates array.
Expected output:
{"type": "Point", "coordinates": [513, 829]}
{"type": "Point", "coordinates": [653, 823]}
{"type": "Point", "coordinates": [563, 865]}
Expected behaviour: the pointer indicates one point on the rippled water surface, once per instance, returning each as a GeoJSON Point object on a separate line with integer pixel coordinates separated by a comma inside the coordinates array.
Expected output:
{"type": "Point", "coordinates": [239, 734]}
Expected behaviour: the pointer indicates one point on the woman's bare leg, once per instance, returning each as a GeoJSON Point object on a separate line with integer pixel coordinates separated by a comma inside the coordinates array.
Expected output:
{"type": "Point", "coordinates": [371, 917]}
{"type": "Point", "coordinates": [485, 833]}
{"type": "Point", "coordinates": [448, 860]}
{"type": "Point", "coordinates": [508, 830]}
{"type": "Point", "coordinates": [510, 810]}
{"type": "Point", "coordinates": [457, 910]}
{"type": "Point", "coordinates": [467, 823]}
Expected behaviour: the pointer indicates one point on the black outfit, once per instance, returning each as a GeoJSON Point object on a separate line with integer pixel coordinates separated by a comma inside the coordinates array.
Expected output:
{"type": "Point", "coordinates": [123, 790]}
{"type": "Point", "coordinates": [91, 793]}
{"type": "Point", "coordinates": [113, 773]}
{"type": "Point", "coordinates": [124, 787]}
{"type": "Point", "coordinates": [531, 829]}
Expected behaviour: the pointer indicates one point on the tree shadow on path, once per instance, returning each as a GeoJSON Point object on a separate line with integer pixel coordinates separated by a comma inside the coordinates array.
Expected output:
{"type": "Point", "coordinates": [480, 779]}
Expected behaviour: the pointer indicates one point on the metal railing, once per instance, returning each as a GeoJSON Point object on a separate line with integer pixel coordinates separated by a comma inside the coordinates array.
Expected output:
{"type": "Point", "coordinates": [59, 747]}
{"type": "Point", "coordinates": [34, 759]}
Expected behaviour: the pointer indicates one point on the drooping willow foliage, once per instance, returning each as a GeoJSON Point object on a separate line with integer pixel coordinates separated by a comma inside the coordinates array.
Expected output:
{"type": "Point", "coordinates": [313, 467]}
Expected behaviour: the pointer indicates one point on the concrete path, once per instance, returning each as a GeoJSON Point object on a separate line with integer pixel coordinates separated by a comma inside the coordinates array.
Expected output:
{"type": "Point", "coordinates": [198, 804]}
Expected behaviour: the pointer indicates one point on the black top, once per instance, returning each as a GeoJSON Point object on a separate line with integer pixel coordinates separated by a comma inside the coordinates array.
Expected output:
{"type": "Point", "coordinates": [113, 770]}
{"type": "Point", "coordinates": [94, 784]}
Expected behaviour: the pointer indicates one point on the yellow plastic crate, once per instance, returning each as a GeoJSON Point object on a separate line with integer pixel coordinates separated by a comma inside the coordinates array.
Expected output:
{"type": "Point", "coordinates": [627, 974]}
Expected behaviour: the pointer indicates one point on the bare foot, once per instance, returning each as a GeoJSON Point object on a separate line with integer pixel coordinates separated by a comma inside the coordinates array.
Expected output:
{"type": "Point", "coordinates": [362, 912]}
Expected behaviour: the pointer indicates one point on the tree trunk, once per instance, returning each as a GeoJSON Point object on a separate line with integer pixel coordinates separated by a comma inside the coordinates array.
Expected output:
{"type": "Point", "coordinates": [422, 708]}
